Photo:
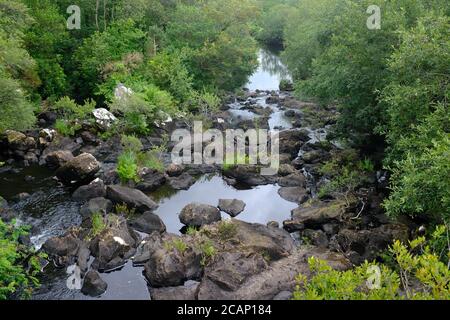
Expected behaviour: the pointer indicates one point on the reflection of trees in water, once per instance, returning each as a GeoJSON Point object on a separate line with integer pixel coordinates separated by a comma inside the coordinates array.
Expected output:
{"type": "Point", "coordinates": [272, 64]}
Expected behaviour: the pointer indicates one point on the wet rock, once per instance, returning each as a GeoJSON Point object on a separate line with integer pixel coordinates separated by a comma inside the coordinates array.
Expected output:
{"type": "Point", "coordinates": [186, 292]}
{"type": "Point", "coordinates": [174, 170]}
{"type": "Point", "coordinates": [29, 178]}
{"type": "Point", "coordinates": [317, 214]}
{"type": "Point", "coordinates": [148, 223]}
{"type": "Point", "coordinates": [114, 245]}
{"type": "Point", "coordinates": [133, 198]}
{"type": "Point", "coordinates": [314, 156]}
{"type": "Point", "coordinates": [294, 194]}
{"type": "Point", "coordinates": [48, 118]}
{"type": "Point", "coordinates": [286, 169]}
{"type": "Point", "coordinates": [80, 169]}
{"type": "Point", "coordinates": [93, 285]}
{"type": "Point", "coordinates": [57, 159]}
{"type": "Point", "coordinates": [197, 214]}
{"type": "Point", "coordinates": [292, 140]}
{"type": "Point", "coordinates": [168, 266]}
{"type": "Point", "coordinates": [62, 249]}
{"type": "Point", "coordinates": [273, 224]}
{"type": "Point", "coordinates": [272, 100]}
{"type": "Point", "coordinates": [182, 182]}
{"type": "Point", "coordinates": [89, 137]}
{"type": "Point", "coordinates": [96, 205]}
{"type": "Point", "coordinates": [83, 257]}
{"type": "Point", "coordinates": [293, 180]}
{"type": "Point", "coordinates": [249, 175]}
{"type": "Point", "coordinates": [96, 189]}
{"type": "Point", "coordinates": [292, 226]}
{"type": "Point", "coordinates": [231, 206]}
{"type": "Point", "coordinates": [150, 180]}
{"type": "Point", "coordinates": [290, 113]}
{"type": "Point", "coordinates": [21, 196]}
{"type": "Point", "coordinates": [104, 118]}
{"type": "Point", "coordinates": [61, 144]}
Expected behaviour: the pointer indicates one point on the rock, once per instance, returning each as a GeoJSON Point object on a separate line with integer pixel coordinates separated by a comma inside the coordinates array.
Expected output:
{"type": "Point", "coordinates": [96, 205]}
{"type": "Point", "coordinates": [83, 256]}
{"type": "Point", "coordinates": [133, 198]}
{"type": "Point", "coordinates": [286, 169]}
{"type": "Point", "coordinates": [314, 156]}
{"type": "Point", "coordinates": [268, 283]}
{"type": "Point", "coordinates": [14, 139]}
{"type": "Point", "coordinates": [114, 245]}
{"type": "Point", "coordinates": [3, 203]}
{"type": "Point", "coordinates": [316, 237]}
{"type": "Point", "coordinates": [168, 266]}
{"type": "Point", "coordinates": [294, 194]}
{"type": "Point", "coordinates": [148, 223]}
{"type": "Point", "coordinates": [104, 118]}
{"type": "Point", "coordinates": [96, 189]}
{"type": "Point", "coordinates": [93, 285]}
{"type": "Point", "coordinates": [290, 113]}
{"type": "Point", "coordinates": [185, 292]}
{"type": "Point", "coordinates": [283, 296]}
{"type": "Point", "coordinates": [150, 180]}
{"type": "Point", "coordinates": [230, 269]}
{"type": "Point", "coordinates": [62, 249]}
{"type": "Point", "coordinates": [317, 214]}
{"type": "Point", "coordinates": [174, 170]}
{"type": "Point", "coordinates": [182, 182]}
{"type": "Point", "coordinates": [292, 140]}
{"type": "Point", "coordinates": [231, 206]}
{"type": "Point", "coordinates": [21, 196]}
{"type": "Point", "coordinates": [367, 244]}
{"type": "Point", "coordinates": [292, 226]}
{"type": "Point", "coordinates": [80, 169]}
{"type": "Point", "coordinates": [293, 180]}
{"type": "Point", "coordinates": [249, 175]}
{"type": "Point", "coordinates": [197, 215]}
{"type": "Point", "coordinates": [57, 159]}
{"type": "Point", "coordinates": [273, 224]}
{"type": "Point", "coordinates": [47, 134]}
{"type": "Point", "coordinates": [89, 137]}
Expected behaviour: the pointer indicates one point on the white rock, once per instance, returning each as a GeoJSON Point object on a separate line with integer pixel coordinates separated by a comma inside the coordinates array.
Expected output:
{"type": "Point", "coordinates": [104, 118]}
{"type": "Point", "coordinates": [122, 92]}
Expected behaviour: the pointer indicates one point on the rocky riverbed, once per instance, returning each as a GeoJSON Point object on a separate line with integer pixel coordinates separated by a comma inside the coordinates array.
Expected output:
{"type": "Point", "coordinates": [196, 231]}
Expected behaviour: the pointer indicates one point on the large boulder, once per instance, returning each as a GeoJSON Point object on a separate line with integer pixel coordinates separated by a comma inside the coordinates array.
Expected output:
{"type": "Point", "coordinates": [197, 214]}
{"type": "Point", "coordinates": [63, 249]}
{"type": "Point", "coordinates": [292, 140]}
{"type": "Point", "coordinates": [133, 198]}
{"type": "Point", "coordinates": [292, 180]}
{"type": "Point", "coordinates": [169, 266]}
{"type": "Point", "coordinates": [96, 189]}
{"type": "Point", "coordinates": [269, 282]}
{"type": "Point", "coordinates": [317, 214]}
{"type": "Point", "coordinates": [231, 206]}
{"type": "Point", "coordinates": [294, 194]}
{"type": "Point", "coordinates": [80, 169]}
{"type": "Point", "coordinates": [93, 285]}
{"type": "Point", "coordinates": [148, 223]}
{"type": "Point", "coordinates": [114, 245]}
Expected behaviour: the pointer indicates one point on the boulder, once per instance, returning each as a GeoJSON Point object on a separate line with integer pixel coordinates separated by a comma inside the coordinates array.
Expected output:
{"type": "Point", "coordinates": [103, 118]}
{"type": "Point", "coordinates": [231, 206]}
{"type": "Point", "coordinates": [182, 182]}
{"type": "Point", "coordinates": [293, 180]}
{"type": "Point", "coordinates": [292, 140]}
{"type": "Point", "coordinates": [15, 139]}
{"type": "Point", "coordinates": [197, 214]}
{"type": "Point", "coordinates": [133, 198]}
{"type": "Point", "coordinates": [269, 282]}
{"type": "Point", "coordinates": [93, 285]}
{"type": "Point", "coordinates": [114, 245]}
{"type": "Point", "coordinates": [96, 205]}
{"type": "Point", "coordinates": [148, 223]}
{"type": "Point", "coordinates": [62, 249]}
{"type": "Point", "coordinates": [185, 292]}
{"type": "Point", "coordinates": [317, 214]}
{"type": "Point", "coordinates": [80, 169]}
{"type": "Point", "coordinates": [96, 189]}
{"type": "Point", "coordinates": [168, 267]}
{"type": "Point", "coordinates": [174, 170]}
{"type": "Point", "coordinates": [316, 237]}
{"type": "Point", "coordinates": [294, 194]}
{"type": "Point", "coordinates": [150, 180]}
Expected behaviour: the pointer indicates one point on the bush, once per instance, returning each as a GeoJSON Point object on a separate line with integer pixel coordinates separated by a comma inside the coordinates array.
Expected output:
{"type": "Point", "coordinates": [127, 167]}
{"type": "Point", "coordinates": [15, 277]}
{"type": "Point", "coordinates": [431, 278]}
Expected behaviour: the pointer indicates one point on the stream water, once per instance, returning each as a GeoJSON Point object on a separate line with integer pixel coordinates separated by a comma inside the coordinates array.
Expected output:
{"type": "Point", "coordinates": [50, 210]}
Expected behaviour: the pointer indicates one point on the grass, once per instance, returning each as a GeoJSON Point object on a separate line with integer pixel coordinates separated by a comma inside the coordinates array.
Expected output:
{"type": "Point", "coordinates": [227, 230]}
{"type": "Point", "coordinates": [208, 252]}
{"type": "Point", "coordinates": [177, 244]}
{"type": "Point", "coordinates": [98, 224]}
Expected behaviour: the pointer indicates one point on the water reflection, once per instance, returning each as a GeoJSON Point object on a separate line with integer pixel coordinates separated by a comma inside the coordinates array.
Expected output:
{"type": "Point", "coordinates": [270, 72]}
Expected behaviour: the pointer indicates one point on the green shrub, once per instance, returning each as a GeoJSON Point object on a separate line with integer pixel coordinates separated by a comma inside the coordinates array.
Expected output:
{"type": "Point", "coordinates": [227, 230]}
{"type": "Point", "coordinates": [98, 224]}
{"type": "Point", "coordinates": [66, 128]}
{"type": "Point", "coordinates": [127, 167]}
{"type": "Point", "coordinates": [68, 109]}
{"type": "Point", "coordinates": [208, 252]}
{"type": "Point", "coordinates": [15, 277]}
{"type": "Point", "coordinates": [431, 278]}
